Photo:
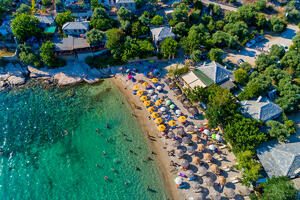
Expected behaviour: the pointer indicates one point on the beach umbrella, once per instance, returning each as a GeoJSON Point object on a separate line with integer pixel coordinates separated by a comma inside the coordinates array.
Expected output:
{"type": "Point", "coordinates": [182, 119]}
{"type": "Point", "coordinates": [215, 195]}
{"type": "Point", "coordinates": [162, 109]}
{"type": "Point", "coordinates": [176, 144]}
{"type": "Point", "coordinates": [140, 92]}
{"type": "Point", "coordinates": [202, 170]}
{"type": "Point", "coordinates": [190, 129]}
{"type": "Point", "coordinates": [177, 92]}
{"type": "Point", "coordinates": [151, 109]}
{"type": "Point", "coordinates": [154, 80]}
{"type": "Point", "coordinates": [158, 102]}
{"type": "Point", "coordinates": [179, 153]}
{"type": "Point", "coordinates": [218, 137]}
{"type": "Point", "coordinates": [195, 138]}
{"type": "Point", "coordinates": [180, 131]}
{"type": "Point", "coordinates": [214, 168]}
{"type": "Point", "coordinates": [207, 156]}
{"type": "Point", "coordinates": [221, 180]}
{"type": "Point", "coordinates": [129, 76]}
{"type": "Point", "coordinates": [189, 173]}
{"type": "Point", "coordinates": [171, 134]}
{"type": "Point", "coordinates": [136, 87]}
{"type": "Point", "coordinates": [158, 120]}
{"type": "Point", "coordinates": [184, 163]}
{"type": "Point", "coordinates": [168, 102]}
{"type": "Point", "coordinates": [145, 84]}
{"type": "Point", "coordinates": [172, 106]}
{"type": "Point", "coordinates": [147, 103]}
{"type": "Point", "coordinates": [208, 181]}
{"type": "Point", "coordinates": [150, 92]}
{"type": "Point", "coordinates": [178, 112]}
{"type": "Point", "coordinates": [127, 70]}
{"type": "Point", "coordinates": [201, 147]}
{"type": "Point", "coordinates": [159, 88]}
{"type": "Point", "coordinates": [193, 110]}
{"type": "Point", "coordinates": [196, 160]}
{"type": "Point", "coordinates": [244, 191]}
{"type": "Point", "coordinates": [172, 123]}
{"type": "Point", "coordinates": [212, 147]}
{"type": "Point", "coordinates": [161, 128]}
{"type": "Point", "coordinates": [206, 132]}
{"type": "Point", "coordinates": [187, 103]}
{"type": "Point", "coordinates": [178, 180]}
{"type": "Point", "coordinates": [155, 115]}
{"type": "Point", "coordinates": [186, 140]}
{"type": "Point", "coordinates": [148, 87]}
{"type": "Point", "coordinates": [196, 186]}
{"type": "Point", "coordinates": [213, 136]}
{"type": "Point", "coordinates": [229, 192]}
{"type": "Point", "coordinates": [155, 97]}
{"type": "Point", "coordinates": [143, 98]}
{"type": "Point", "coordinates": [191, 149]}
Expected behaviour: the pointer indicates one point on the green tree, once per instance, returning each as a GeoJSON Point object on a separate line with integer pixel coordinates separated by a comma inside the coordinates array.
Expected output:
{"type": "Point", "coordinates": [278, 130]}
{"type": "Point", "coordinates": [23, 9]}
{"type": "Point", "coordinates": [169, 47]}
{"type": "Point", "coordinates": [277, 51]}
{"type": "Point", "coordinates": [145, 48]}
{"type": "Point", "coordinates": [99, 13]}
{"type": "Point", "coordinates": [296, 42]}
{"type": "Point", "coordinates": [180, 13]}
{"type": "Point", "coordinates": [46, 53]}
{"type": "Point", "coordinates": [248, 14]}
{"type": "Point", "coordinates": [138, 29]}
{"type": "Point", "coordinates": [94, 37]}
{"type": "Point", "coordinates": [145, 18]}
{"type": "Point", "coordinates": [246, 66]}
{"type": "Point", "coordinates": [231, 17]}
{"type": "Point", "coordinates": [114, 40]}
{"type": "Point", "coordinates": [291, 61]}
{"type": "Point", "coordinates": [96, 4]}
{"type": "Point", "coordinates": [64, 17]}
{"type": "Point", "coordinates": [263, 61]}
{"type": "Point", "coordinates": [277, 24]}
{"type": "Point", "coordinates": [126, 26]}
{"type": "Point", "coordinates": [124, 14]}
{"type": "Point", "coordinates": [157, 20]}
{"type": "Point", "coordinates": [25, 26]}
{"type": "Point", "coordinates": [241, 76]}
{"type": "Point", "coordinates": [261, 5]}
{"type": "Point", "coordinates": [220, 24]}
{"type": "Point", "coordinates": [4, 7]}
{"type": "Point", "coordinates": [239, 29]}
{"type": "Point", "coordinates": [294, 16]}
{"type": "Point", "coordinates": [279, 188]}
{"type": "Point", "coordinates": [261, 21]}
{"type": "Point", "coordinates": [215, 55]}
{"type": "Point", "coordinates": [103, 24]}
{"type": "Point", "coordinates": [196, 55]}
{"type": "Point", "coordinates": [180, 29]}
{"type": "Point", "coordinates": [224, 40]}
{"type": "Point", "coordinates": [46, 3]}
{"type": "Point", "coordinates": [140, 3]}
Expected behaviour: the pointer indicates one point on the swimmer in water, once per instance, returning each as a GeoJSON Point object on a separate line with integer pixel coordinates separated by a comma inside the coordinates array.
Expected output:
{"type": "Point", "coordinates": [104, 153]}
{"type": "Point", "coordinates": [137, 169]}
{"type": "Point", "coordinates": [126, 183]}
{"type": "Point", "coordinates": [148, 187]}
{"type": "Point", "coordinates": [130, 151]}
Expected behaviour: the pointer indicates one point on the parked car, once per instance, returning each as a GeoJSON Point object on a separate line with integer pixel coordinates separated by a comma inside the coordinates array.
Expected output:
{"type": "Point", "coordinates": [259, 38]}
{"type": "Point", "coordinates": [250, 43]}
{"type": "Point", "coordinates": [240, 61]}
{"type": "Point", "coordinates": [285, 47]}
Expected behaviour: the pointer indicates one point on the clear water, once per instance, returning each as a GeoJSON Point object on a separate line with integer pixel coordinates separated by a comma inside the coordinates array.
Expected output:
{"type": "Point", "coordinates": [50, 146]}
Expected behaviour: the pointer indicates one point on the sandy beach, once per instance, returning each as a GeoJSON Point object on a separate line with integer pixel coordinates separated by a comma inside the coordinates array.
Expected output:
{"type": "Point", "coordinates": [162, 159]}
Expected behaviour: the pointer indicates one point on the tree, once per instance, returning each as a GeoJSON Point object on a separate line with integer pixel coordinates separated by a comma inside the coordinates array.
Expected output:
{"type": "Point", "coordinates": [220, 24]}
{"type": "Point", "coordinates": [140, 3]}
{"type": "Point", "coordinates": [4, 7]}
{"type": "Point", "coordinates": [46, 53]}
{"type": "Point", "coordinates": [239, 29]}
{"type": "Point", "coordinates": [277, 24]}
{"type": "Point", "coordinates": [198, 5]}
{"type": "Point", "coordinates": [277, 51]}
{"type": "Point", "coordinates": [196, 55]}
{"type": "Point", "coordinates": [33, 5]}
{"type": "Point", "coordinates": [180, 29]}
{"type": "Point", "coordinates": [241, 76]}
{"type": "Point", "coordinates": [215, 55]}
{"type": "Point", "coordinates": [248, 14]}
{"type": "Point", "coordinates": [296, 42]}
{"type": "Point", "coordinates": [23, 9]}
{"type": "Point", "coordinates": [25, 26]}
{"type": "Point", "coordinates": [94, 37]}
{"type": "Point", "coordinates": [114, 40]}
{"type": "Point", "coordinates": [46, 3]}
{"type": "Point", "coordinates": [124, 14]}
{"type": "Point", "coordinates": [180, 13]}
{"type": "Point", "coordinates": [261, 21]}
{"type": "Point", "coordinates": [224, 40]}
{"type": "Point", "coordinates": [263, 61]}
{"type": "Point", "coordinates": [145, 18]}
{"type": "Point", "coordinates": [125, 26]}
{"type": "Point", "coordinates": [279, 188]}
{"type": "Point", "coordinates": [294, 15]}
{"type": "Point", "coordinates": [157, 20]}
{"type": "Point", "coordinates": [231, 17]}
{"type": "Point", "coordinates": [169, 47]}
{"type": "Point", "coordinates": [27, 56]}
{"type": "Point", "coordinates": [138, 29]}
{"type": "Point", "coordinates": [291, 60]}
{"type": "Point", "coordinates": [246, 66]}
{"type": "Point", "coordinates": [64, 17]}
{"type": "Point", "coordinates": [278, 130]}
{"type": "Point", "coordinates": [96, 4]}
{"type": "Point", "coordinates": [103, 24]}
{"type": "Point", "coordinates": [145, 48]}
{"type": "Point", "coordinates": [261, 5]}
{"type": "Point", "coordinates": [99, 13]}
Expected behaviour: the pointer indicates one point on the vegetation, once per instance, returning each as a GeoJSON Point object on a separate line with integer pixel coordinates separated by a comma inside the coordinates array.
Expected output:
{"type": "Point", "coordinates": [94, 37]}
{"type": "Point", "coordinates": [279, 130]}
{"type": "Point", "coordinates": [241, 76]}
{"type": "Point", "coordinates": [169, 47]}
{"type": "Point", "coordinates": [27, 56]}
{"type": "Point", "coordinates": [23, 9]}
{"type": "Point", "coordinates": [46, 53]}
{"type": "Point", "coordinates": [64, 17]}
{"type": "Point", "coordinates": [157, 20]}
{"type": "Point", "coordinates": [25, 26]}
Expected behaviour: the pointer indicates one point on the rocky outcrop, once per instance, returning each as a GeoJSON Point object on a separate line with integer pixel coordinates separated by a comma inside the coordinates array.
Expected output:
{"type": "Point", "coordinates": [64, 80]}
{"type": "Point", "coordinates": [12, 75]}
{"type": "Point", "coordinates": [35, 73]}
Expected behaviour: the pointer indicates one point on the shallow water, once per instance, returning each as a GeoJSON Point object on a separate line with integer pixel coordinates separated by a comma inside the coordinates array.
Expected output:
{"type": "Point", "coordinates": [50, 146]}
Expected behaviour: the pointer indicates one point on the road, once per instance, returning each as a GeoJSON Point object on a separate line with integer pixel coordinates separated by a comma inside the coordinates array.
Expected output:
{"type": "Point", "coordinates": [248, 54]}
{"type": "Point", "coordinates": [223, 6]}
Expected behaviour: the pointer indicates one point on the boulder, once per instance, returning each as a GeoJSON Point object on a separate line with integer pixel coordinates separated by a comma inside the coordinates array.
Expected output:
{"type": "Point", "coordinates": [16, 80]}
{"type": "Point", "coordinates": [64, 80]}
{"type": "Point", "coordinates": [35, 73]}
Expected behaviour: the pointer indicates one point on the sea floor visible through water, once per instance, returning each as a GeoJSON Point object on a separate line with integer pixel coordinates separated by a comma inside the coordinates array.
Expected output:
{"type": "Point", "coordinates": [50, 146]}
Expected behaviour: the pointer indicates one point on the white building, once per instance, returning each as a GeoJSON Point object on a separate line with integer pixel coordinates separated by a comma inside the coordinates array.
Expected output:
{"type": "Point", "coordinates": [75, 28]}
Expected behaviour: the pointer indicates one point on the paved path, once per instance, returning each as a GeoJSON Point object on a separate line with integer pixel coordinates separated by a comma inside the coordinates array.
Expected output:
{"type": "Point", "coordinates": [223, 6]}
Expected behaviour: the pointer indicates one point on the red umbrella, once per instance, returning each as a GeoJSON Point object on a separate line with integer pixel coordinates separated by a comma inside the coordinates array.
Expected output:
{"type": "Point", "coordinates": [129, 76]}
{"type": "Point", "coordinates": [201, 129]}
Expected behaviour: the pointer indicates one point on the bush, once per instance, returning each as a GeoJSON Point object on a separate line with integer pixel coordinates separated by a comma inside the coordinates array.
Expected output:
{"type": "Point", "coordinates": [102, 61]}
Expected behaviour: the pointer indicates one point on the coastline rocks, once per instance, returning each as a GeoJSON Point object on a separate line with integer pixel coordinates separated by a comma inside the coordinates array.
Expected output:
{"type": "Point", "coordinates": [15, 80]}
{"type": "Point", "coordinates": [12, 75]}
{"type": "Point", "coordinates": [35, 73]}
{"type": "Point", "coordinates": [64, 80]}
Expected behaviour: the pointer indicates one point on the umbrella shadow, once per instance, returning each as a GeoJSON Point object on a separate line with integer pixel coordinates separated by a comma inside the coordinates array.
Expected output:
{"type": "Point", "coordinates": [230, 185]}
{"type": "Point", "coordinates": [239, 197]}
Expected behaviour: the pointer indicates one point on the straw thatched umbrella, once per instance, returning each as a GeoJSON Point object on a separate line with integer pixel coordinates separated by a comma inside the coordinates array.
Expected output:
{"type": "Point", "coordinates": [187, 103]}
{"type": "Point", "coordinates": [214, 168]}
{"type": "Point", "coordinates": [180, 131]}
{"type": "Point", "coordinates": [184, 163]}
{"type": "Point", "coordinates": [244, 191]}
{"type": "Point", "coordinates": [173, 85]}
{"type": "Point", "coordinates": [207, 156]}
{"type": "Point", "coordinates": [193, 110]}
{"type": "Point", "coordinates": [175, 144]}
{"type": "Point", "coordinates": [196, 186]}
{"type": "Point", "coordinates": [215, 195]}
{"type": "Point", "coordinates": [208, 181]}
{"type": "Point", "coordinates": [196, 160]}
{"type": "Point", "coordinates": [189, 173]}
{"type": "Point", "coordinates": [229, 193]}
{"type": "Point", "coordinates": [202, 170]}
{"type": "Point", "coordinates": [186, 140]}
{"type": "Point", "coordinates": [201, 147]}
{"type": "Point", "coordinates": [177, 92]}
{"type": "Point", "coordinates": [179, 153]}
{"type": "Point", "coordinates": [191, 149]}
{"type": "Point", "coordinates": [221, 180]}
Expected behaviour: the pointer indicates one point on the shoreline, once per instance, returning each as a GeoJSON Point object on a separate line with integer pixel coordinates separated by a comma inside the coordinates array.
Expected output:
{"type": "Point", "coordinates": [161, 157]}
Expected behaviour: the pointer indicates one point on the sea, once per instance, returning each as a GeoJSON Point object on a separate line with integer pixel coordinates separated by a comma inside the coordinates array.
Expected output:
{"type": "Point", "coordinates": [60, 144]}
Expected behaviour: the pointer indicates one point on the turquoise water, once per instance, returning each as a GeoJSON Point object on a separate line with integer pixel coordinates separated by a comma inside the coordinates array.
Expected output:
{"type": "Point", "coordinates": [50, 146]}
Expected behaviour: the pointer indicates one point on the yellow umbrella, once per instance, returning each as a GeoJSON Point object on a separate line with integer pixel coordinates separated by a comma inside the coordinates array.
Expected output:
{"type": "Point", "coordinates": [172, 123]}
{"type": "Point", "coordinates": [155, 115]}
{"type": "Point", "coordinates": [147, 103]}
{"type": "Point", "coordinates": [161, 127]}
{"type": "Point", "coordinates": [140, 92]}
{"type": "Point", "coordinates": [154, 80]}
{"type": "Point", "coordinates": [158, 102]}
{"type": "Point", "coordinates": [145, 84]}
{"type": "Point", "coordinates": [182, 119]}
{"type": "Point", "coordinates": [150, 109]}
{"type": "Point", "coordinates": [136, 87]}
{"type": "Point", "coordinates": [216, 129]}
{"type": "Point", "coordinates": [158, 120]}
{"type": "Point", "coordinates": [143, 98]}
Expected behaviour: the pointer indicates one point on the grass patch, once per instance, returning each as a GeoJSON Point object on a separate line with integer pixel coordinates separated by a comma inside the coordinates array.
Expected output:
{"type": "Point", "coordinates": [4, 52]}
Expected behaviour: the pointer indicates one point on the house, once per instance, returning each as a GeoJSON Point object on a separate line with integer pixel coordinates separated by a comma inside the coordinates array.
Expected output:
{"type": "Point", "coordinates": [45, 20]}
{"type": "Point", "coordinates": [129, 4]}
{"type": "Point", "coordinates": [5, 30]}
{"type": "Point", "coordinates": [108, 3]}
{"type": "Point", "coordinates": [75, 28]}
{"type": "Point", "coordinates": [159, 34]}
{"type": "Point", "coordinates": [281, 159]}
{"type": "Point", "coordinates": [83, 16]}
{"type": "Point", "coordinates": [261, 109]}
{"type": "Point", "coordinates": [209, 74]}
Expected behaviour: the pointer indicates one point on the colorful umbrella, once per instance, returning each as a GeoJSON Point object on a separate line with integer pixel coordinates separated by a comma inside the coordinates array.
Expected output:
{"type": "Point", "coordinates": [143, 98]}
{"type": "Point", "coordinates": [158, 120]}
{"type": "Point", "coordinates": [136, 87]}
{"type": "Point", "coordinates": [178, 180]}
{"type": "Point", "coordinates": [150, 91]}
{"type": "Point", "coordinates": [155, 97]}
{"type": "Point", "coordinates": [145, 84]}
{"type": "Point", "coordinates": [128, 70]}
{"type": "Point", "coordinates": [158, 102]}
{"type": "Point", "coordinates": [147, 103]}
{"type": "Point", "coordinates": [213, 136]}
{"type": "Point", "coordinates": [129, 76]}
{"type": "Point", "coordinates": [162, 109]}
{"type": "Point", "coordinates": [154, 80]}
{"type": "Point", "coordinates": [182, 119]}
{"type": "Point", "coordinates": [168, 102]}
{"type": "Point", "coordinates": [161, 128]}
{"type": "Point", "coordinates": [178, 112]}
{"type": "Point", "coordinates": [172, 123]}
{"type": "Point", "coordinates": [159, 88]}
{"type": "Point", "coordinates": [155, 115]}
{"type": "Point", "coordinates": [151, 109]}
{"type": "Point", "coordinates": [172, 106]}
{"type": "Point", "coordinates": [140, 92]}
